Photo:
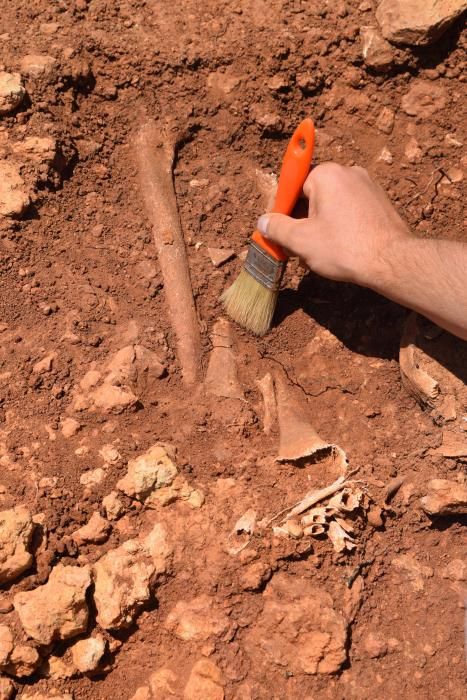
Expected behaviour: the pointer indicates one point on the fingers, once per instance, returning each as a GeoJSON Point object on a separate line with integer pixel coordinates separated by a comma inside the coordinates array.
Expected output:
{"type": "Point", "coordinates": [287, 232]}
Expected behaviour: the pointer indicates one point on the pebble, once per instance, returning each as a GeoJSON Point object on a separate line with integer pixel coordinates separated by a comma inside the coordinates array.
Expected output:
{"type": "Point", "coordinates": [424, 99]}
{"type": "Point", "coordinates": [376, 51]}
{"type": "Point", "coordinates": [386, 120]}
{"type": "Point", "coordinates": [417, 22]}
{"type": "Point", "coordinates": [87, 653]}
{"type": "Point", "coordinates": [219, 256]}
{"type": "Point", "coordinates": [12, 92]}
{"type": "Point", "coordinates": [37, 65]}
{"type": "Point", "coordinates": [413, 152]}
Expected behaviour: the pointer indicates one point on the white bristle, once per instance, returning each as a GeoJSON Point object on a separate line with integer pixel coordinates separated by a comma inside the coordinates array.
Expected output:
{"type": "Point", "coordinates": [250, 303]}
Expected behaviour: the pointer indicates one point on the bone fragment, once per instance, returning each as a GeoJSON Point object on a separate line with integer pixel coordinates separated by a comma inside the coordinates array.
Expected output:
{"type": "Point", "coordinates": [340, 539]}
{"type": "Point", "coordinates": [266, 386]}
{"type": "Point", "coordinates": [155, 156]}
{"type": "Point", "coordinates": [417, 382]}
{"type": "Point", "coordinates": [222, 376]}
{"type": "Point", "coordinates": [297, 437]}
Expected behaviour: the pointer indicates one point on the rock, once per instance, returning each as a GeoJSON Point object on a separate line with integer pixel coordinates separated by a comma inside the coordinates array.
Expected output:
{"type": "Point", "coordinates": [298, 628]}
{"type": "Point", "coordinates": [374, 646]}
{"type": "Point", "coordinates": [109, 399]}
{"type": "Point", "coordinates": [161, 686]}
{"type": "Point", "coordinates": [413, 152]}
{"type": "Point", "coordinates": [12, 92]}
{"type": "Point", "coordinates": [58, 609]}
{"type": "Point", "coordinates": [37, 149]}
{"type": "Point", "coordinates": [38, 65]}
{"type": "Point", "coordinates": [57, 668]}
{"type": "Point", "coordinates": [132, 363]}
{"type": "Point", "coordinates": [93, 477]}
{"type": "Point", "coordinates": [97, 530]}
{"type": "Point", "coordinates": [386, 156]}
{"type": "Point", "coordinates": [445, 498]}
{"type": "Point", "coordinates": [7, 689]}
{"type": "Point", "coordinates": [417, 22]}
{"type": "Point", "coordinates": [87, 653]}
{"type": "Point", "coordinates": [113, 506]}
{"type": "Point", "coordinates": [24, 660]}
{"type": "Point", "coordinates": [46, 696]}
{"type": "Point", "coordinates": [385, 121]}
{"type": "Point", "coordinates": [13, 197]}
{"type": "Point", "coordinates": [219, 256]}
{"type": "Point", "coordinates": [110, 454]}
{"type": "Point", "coordinates": [148, 472]}
{"type": "Point", "coordinates": [46, 364]}
{"type": "Point", "coordinates": [126, 576]}
{"type": "Point", "coordinates": [180, 489]}
{"type": "Point", "coordinates": [16, 528]}
{"type": "Point", "coordinates": [197, 619]}
{"type": "Point", "coordinates": [255, 576]}
{"type": "Point", "coordinates": [424, 99]}
{"type": "Point", "coordinates": [415, 572]}
{"type": "Point", "coordinates": [6, 644]}
{"type": "Point", "coordinates": [70, 427]}
{"type": "Point", "coordinates": [205, 682]}
{"type": "Point", "coordinates": [377, 52]}
{"type": "Point", "coordinates": [456, 570]}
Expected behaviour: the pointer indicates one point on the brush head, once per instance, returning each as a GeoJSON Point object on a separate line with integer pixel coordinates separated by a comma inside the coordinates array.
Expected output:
{"type": "Point", "coordinates": [250, 303]}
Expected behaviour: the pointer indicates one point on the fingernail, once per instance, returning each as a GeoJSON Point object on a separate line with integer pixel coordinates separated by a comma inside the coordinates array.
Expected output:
{"type": "Point", "coordinates": [263, 223]}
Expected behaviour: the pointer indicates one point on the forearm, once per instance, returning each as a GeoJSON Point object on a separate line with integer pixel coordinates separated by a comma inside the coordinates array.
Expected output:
{"type": "Point", "coordinates": [428, 276]}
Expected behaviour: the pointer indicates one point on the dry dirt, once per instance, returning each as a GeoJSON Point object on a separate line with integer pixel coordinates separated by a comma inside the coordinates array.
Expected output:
{"type": "Point", "coordinates": [80, 280]}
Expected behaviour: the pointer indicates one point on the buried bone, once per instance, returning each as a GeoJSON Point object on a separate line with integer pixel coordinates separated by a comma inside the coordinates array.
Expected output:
{"type": "Point", "coordinates": [222, 375]}
{"type": "Point", "coordinates": [266, 387]}
{"type": "Point", "coordinates": [297, 437]}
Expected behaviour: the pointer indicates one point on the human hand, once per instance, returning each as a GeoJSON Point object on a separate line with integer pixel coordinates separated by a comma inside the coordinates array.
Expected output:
{"type": "Point", "coordinates": [350, 229]}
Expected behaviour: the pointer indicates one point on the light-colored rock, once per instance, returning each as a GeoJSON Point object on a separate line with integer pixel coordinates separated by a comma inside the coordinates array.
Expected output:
{"type": "Point", "coordinates": [58, 609]}
{"type": "Point", "coordinates": [132, 362]}
{"type": "Point", "coordinates": [110, 454]}
{"type": "Point", "coordinates": [7, 689]}
{"type": "Point", "coordinates": [197, 619]}
{"type": "Point", "coordinates": [374, 646]}
{"type": "Point", "coordinates": [424, 99]}
{"type": "Point", "coordinates": [58, 668]}
{"type": "Point", "coordinates": [205, 682]}
{"type": "Point", "coordinates": [38, 65]}
{"type": "Point", "coordinates": [16, 528]}
{"type": "Point", "coordinates": [110, 399]}
{"type": "Point", "coordinates": [386, 156]}
{"type": "Point", "coordinates": [180, 489]}
{"type": "Point", "coordinates": [417, 22]}
{"type": "Point", "coordinates": [298, 628]}
{"type": "Point", "coordinates": [45, 365]}
{"type": "Point", "coordinates": [14, 198]}
{"type": "Point", "coordinates": [385, 121]}
{"type": "Point", "coordinates": [23, 662]}
{"type": "Point", "coordinates": [93, 477]}
{"type": "Point", "coordinates": [12, 92]}
{"type": "Point", "coordinates": [6, 644]}
{"type": "Point", "coordinates": [31, 695]}
{"type": "Point", "coordinates": [113, 506]}
{"type": "Point", "coordinates": [96, 531]}
{"type": "Point", "coordinates": [445, 497]}
{"type": "Point", "coordinates": [148, 472]}
{"type": "Point", "coordinates": [413, 152]}
{"type": "Point", "coordinates": [70, 427]}
{"type": "Point", "coordinates": [415, 572]}
{"type": "Point", "coordinates": [456, 570]}
{"type": "Point", "coordinates": [87, 653]}
{"type": "Point", "coordinates": [39, 149]}
{"type": "Point", "coordinates": [126, 576]}
{"type": "Point", "coordinates": [377, 52]}
{"type": "Point", "coordinates": [161, 685]}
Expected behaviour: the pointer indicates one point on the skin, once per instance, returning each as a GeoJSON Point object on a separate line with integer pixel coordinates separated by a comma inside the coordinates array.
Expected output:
{"type": "Point", "coordinates": [354, 234]}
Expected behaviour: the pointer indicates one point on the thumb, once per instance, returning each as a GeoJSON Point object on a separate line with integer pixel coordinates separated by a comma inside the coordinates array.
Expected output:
{"type": "Point", "coordinates": [284, 230]}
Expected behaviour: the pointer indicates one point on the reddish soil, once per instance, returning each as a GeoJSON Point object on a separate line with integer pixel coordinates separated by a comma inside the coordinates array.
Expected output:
{"type": "Point", "coordinates": [80, 277]}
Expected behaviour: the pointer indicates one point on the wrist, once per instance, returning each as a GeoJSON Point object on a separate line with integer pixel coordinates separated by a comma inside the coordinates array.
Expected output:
{"type": "Point", "coordinates": [390, 262]}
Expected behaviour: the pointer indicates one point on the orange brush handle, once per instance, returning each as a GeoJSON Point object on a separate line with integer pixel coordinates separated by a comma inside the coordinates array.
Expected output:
{"type": "Point", "coordinates": [294, 171]}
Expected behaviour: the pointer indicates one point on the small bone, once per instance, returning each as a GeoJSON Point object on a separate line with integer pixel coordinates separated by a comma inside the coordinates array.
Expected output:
{"type": "Point", "coordinates": [314, 530]}
{"type": "Point", "coordinates": [345, 525]}
{"type": "Point", "coordinates": [417, 382]}
{"type": "Point", "coordinates": [222, 377]}
{"type": "Point", "coordinates": [318, 516]}
{"type": "Point", "coordinates": [347, 501]}
{"type": "Point", "coordinates": [311, 499]}
{"type": "Point", "coordinates": [266, 386]}
{"type": "Point", "coordinates": [245, 526]}
{"type": "Point", "coordinates": [340, 539]}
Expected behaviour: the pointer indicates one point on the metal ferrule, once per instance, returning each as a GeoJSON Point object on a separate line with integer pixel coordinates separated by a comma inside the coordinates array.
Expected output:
{"type": "Point", "coordinates": [266, 270]}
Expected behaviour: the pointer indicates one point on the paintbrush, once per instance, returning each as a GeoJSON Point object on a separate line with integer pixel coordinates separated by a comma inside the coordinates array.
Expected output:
{"type": "Point", "coordinates": [252, 298]}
